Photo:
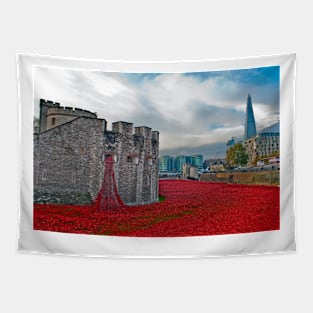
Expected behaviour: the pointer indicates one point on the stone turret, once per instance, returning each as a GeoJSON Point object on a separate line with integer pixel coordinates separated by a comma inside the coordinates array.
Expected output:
{"type": "Point", "coordinates": [53, 114]}
{"type": "Point", "coordinates": [124, 128]}
{"type": "Point", "coordinates": [70, 150]}
{"type": "Point", "coordinates": [155, 135]}
{"type": "Point", "coordinates": [144, 131]}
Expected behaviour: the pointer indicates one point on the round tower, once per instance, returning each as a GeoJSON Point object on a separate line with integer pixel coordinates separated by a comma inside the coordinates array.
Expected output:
{"type": "Point", "coordinates": [52, 114]}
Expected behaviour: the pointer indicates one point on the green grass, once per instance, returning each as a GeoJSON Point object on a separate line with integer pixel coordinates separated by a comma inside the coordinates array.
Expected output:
{"type": "Point", "coordinates": [161, 198]}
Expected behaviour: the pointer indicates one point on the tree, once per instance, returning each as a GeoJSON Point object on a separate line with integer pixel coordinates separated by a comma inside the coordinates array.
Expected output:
{"type": "Point", "coordinates": [237, 155]}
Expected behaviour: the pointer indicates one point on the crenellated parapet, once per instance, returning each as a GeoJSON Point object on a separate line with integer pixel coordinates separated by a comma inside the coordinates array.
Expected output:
{"type": "Point", "coordinates": [144, 131]}
{"type": "Point", "coordinates": [70, 151]}
{"type": "Point", "coordinates": [56, 108]}
{"type": "Point", "coordinates": [155, 135]}
{"type": "Point", "coordinates": [53, 114]}
{"type": "Point", "coordinates": [136, 166]}
{"type": "Point", "coordinates": [127, 129]}
{"type": "Point", "coordinates": [70, 111]}
{"type": "Point", "coordinates": [49, 103]}
{"type": "Point", "coordinates": [123, 128]}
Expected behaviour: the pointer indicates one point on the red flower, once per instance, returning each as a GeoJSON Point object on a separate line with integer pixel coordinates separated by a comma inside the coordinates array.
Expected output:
{"type": "Point", "coordinates": [190, 208]}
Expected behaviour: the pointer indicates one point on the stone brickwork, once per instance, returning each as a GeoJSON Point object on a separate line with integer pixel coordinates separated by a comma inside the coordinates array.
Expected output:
{"type": "Point", "coordinates": [69, 158]}
{"type": "Point", "coordinates": [53, 114]}
{"type": "Point", "coordinates": [261, 178]}
{"type": "Point", "coordinates": [190, 171]}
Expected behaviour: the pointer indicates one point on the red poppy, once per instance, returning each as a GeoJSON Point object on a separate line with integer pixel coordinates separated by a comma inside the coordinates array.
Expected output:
{"type": "Point", "coordinates": [190, 208]}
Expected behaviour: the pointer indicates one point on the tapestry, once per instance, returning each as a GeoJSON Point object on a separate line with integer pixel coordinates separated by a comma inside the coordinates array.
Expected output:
{"type": "Point", "coordinates": [156, 159]}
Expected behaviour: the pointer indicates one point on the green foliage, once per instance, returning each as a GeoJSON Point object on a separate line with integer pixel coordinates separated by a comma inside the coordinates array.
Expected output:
{"type": "Point", "coordinates": [237, 155]}
{"type": "Point", "coordinates": [161, 198]}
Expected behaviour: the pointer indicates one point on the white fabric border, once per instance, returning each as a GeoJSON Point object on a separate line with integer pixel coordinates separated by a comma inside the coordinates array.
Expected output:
{"type": "Point", "coordinates": [279, 241]}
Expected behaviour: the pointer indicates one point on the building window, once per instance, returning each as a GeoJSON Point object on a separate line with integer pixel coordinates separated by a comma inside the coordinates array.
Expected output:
{"type": "Point", "coordinates": [53, 121]}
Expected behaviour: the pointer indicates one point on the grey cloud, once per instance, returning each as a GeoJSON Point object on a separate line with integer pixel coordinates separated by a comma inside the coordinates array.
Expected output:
{"type": "Point", "coordinates": [178, 106]}
{"type": "Point", "coordinates": [210, 116]}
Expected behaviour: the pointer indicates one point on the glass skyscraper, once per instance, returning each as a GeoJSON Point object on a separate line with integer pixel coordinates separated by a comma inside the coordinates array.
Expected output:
{"type": "Point", "coordinates": [250, 128]}
{"type": "Point", "coordinates": [166, 164]}
{"type": "Point", "coordinates": [180, 161]}
{"type": "Point", "coordinates": [197, 160]}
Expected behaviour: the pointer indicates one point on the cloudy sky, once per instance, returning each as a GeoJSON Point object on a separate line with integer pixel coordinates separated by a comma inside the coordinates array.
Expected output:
{"type": "Point", "coordinates": [194, 112]}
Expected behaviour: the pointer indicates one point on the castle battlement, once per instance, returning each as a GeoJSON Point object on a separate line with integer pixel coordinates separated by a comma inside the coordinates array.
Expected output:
{"type": "Point", "coordinates": [58, 108]}
{"type": "Point", "coordinates": [70, 157]}
{"type": "Point", "coordinates": [143, 131]}
{"type": "Point", "coordinates": [155, 135]}
{"type": "Point", "coordinates": [124, 128]}
{"type": "Point", "coordinates": [128, 129]}
{"type": "Point", "coordinates": [53, 114]}
{"type": "Point", "coordinates": [70, 111]}
{"type": "Point", "coordinates": [49, 103]}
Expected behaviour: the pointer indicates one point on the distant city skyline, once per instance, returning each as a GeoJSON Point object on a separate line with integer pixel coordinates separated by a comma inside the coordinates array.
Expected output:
{"type": "Point", "coordinates": [195, 113]}
{"type": "Point", "coordinates": [169, 163]}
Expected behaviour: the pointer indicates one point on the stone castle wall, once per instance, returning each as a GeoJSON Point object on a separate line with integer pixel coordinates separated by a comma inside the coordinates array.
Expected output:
{"type": "Point", "coordinates": [69, 160]}
{"type": "Point", "coordinates": [261, 178]}
{"type": "Point", "coordinates": [135, 158]}
{"type": "Point", "coordinates": [53, 114]}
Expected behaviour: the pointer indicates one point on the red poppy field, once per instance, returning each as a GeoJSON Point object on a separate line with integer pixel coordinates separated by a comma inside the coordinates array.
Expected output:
{"type": "Point", "coordinates": [190, 208]}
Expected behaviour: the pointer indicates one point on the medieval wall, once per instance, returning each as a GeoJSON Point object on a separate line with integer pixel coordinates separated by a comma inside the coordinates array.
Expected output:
{"type": "Point", "coordinates": [135, 152]}
{"type": "Point", "coordinates": [69, 161]}
{"type": "Point", "coordinates": [53, 114]}
{"type": "Point", "coordinates": [263, 177]}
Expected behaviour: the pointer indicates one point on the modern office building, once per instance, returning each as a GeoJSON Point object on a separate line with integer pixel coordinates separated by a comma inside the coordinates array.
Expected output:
{"type": "Point", "coordinates": [166, 164]}
{"type": "Point", "coordinates": [264, 145]}
{"type": "Point", "coordinates": [179, 162]}
{"type": "Point", "coordinates": [197, 161]}
{"type": "Point", "coordinates": [194, 160]}
{"type": "Point", "coordinates": [258, 146]}
{"type": "Point", "coordinates": [250, 128]}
